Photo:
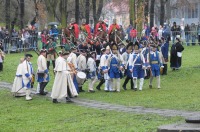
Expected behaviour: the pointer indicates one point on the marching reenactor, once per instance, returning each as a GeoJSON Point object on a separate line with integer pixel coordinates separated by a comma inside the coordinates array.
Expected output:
{"type": "Point", "coordinates": [126, 55]}
{"type": "Point", "coordinates": [164, 51]}
{"type": "Point", "coordinates": [137, 66]}
{"type": "Point", "coordinates": [43, 73]}
{"type": "Point", "coordinates": [100, 71]}
{"type": "Point", "coordinates": [104, 67]}
{"type": "Point", "coordinates": [91, 65]}
{"type": "Point", "coordinates": [63, 83]}
{"type": "Point", "coordinates": [82, 66]}
{"type": "Point", "coordinates": [116, 66]}
{"type": "Point", "coordinates": [154, 58]}
{"type": "Point", "coordinates": [17, 84]}
{"type": "Point", "coordinates": [27, 74]}
{"type": "Point", "coordinates": [51, 52]}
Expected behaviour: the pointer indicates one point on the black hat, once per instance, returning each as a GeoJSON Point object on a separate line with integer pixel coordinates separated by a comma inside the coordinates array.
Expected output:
{"type": "Point", "coordinates": [66, 53]}
{"type": "Point", "coordinates": [136, 45]}
{"type": "Point", "coordinates": [43, 51]}
{"type": "Point", "coordinates": [114, 46]}
{"type": "Point", "coordinates": [28, 55]}
{"type": "Point", "coordinates": [154, 46]}
{"type": "Point", "coordinates": [59, 52]}
{"type": "Point", "coordinates": [129, 46]}
{"type": "Point", "coordinates": [83, 50]}
{"type": "Point", "coordinates": [73, 48]}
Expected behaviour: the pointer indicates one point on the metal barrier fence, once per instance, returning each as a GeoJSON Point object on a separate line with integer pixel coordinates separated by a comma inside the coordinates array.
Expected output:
{"type": "Point", "coordinates": [16, 44]}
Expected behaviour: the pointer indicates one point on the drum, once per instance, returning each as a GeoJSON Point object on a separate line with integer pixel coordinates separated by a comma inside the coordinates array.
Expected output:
{"type": "Point", "coordinates": [80, 77]}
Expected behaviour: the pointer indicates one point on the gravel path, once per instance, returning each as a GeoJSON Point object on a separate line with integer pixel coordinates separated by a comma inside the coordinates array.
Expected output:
{"type": "Point", "coordinates": [121, 108]}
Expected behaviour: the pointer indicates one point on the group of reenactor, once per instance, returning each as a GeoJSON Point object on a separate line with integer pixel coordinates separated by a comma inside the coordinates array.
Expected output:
{"type": "Point", "coordinates": [106, 61]}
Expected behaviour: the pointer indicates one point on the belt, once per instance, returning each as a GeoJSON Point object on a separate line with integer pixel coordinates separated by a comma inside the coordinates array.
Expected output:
{"type": "Point", "coordinates": [137, 64]}
{"type": "Point", "coordinates": [114, 65]}
{"type": "Point", "coordinates": [154, 62]}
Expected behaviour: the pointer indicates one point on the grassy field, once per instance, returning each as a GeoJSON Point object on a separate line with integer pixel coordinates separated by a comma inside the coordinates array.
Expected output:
{"type": "Point", "coordinates": [179, 90]}
{"type": "Point", "coordinates": [40, 114]}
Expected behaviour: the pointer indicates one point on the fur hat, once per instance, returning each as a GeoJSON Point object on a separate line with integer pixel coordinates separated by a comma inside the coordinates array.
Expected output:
{"type": "Point", "coordinates": [72, 20]}
{"type": "Point", "coordinates": [83, 20]}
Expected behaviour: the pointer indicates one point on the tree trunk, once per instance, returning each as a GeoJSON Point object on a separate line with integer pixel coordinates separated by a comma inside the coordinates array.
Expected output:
{"type": "Point", "coordinates": [162, 12]}
{"type": "Point", "coordinates": [21, 14]}
{"type": "Point", "coordinates": [77, 11]}
{"type": "Point", "coordinates": [146, 11]}
{"type": "Point", "coordinates": [97, 12]}
{"type": "Point", "coordinates": [15, 19]}
{"type": "Point", "coordinates": [87, 11]}
{"type": "Point", "coordinates": [63, 11]}
{"type": "Point", "coordinates": [132, 11]}
{"type": "Point", "coordinates": [7, 14]}
{"type": "Point", "coordinates": [152, 13]}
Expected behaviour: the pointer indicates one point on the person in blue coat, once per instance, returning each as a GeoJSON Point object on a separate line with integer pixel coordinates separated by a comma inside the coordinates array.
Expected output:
{"type": "Point", "coordinates": [116, 67]}
{"type": "Point", "coordinates": [164, 51]}
{"type": "Point", "coordinates": [137, 66]}
{"type": "Point", "coordinates": [155, 63]}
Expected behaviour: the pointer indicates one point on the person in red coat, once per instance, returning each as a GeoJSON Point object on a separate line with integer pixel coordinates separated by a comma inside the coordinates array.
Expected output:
{"type": "Point", "coordinates": [100, 26]}
{"type": "Point", "coordinates": [113, 27]}
{"type": "Point", "coordinates": [75, 27]}
{"type": "Point", "coordinates": [86, 28]}
{"type": "Point", "coordinates": [133, 35]}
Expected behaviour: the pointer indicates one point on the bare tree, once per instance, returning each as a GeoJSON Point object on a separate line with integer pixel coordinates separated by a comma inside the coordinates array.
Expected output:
{"type": "Point", "coordinates": [152, 13]}
{"type": "Point", "coordinates": [77, 11]}
{"type": "Point", "coordinates": [87, 11]}
{"type": "Point", "coordinates": [97, 12]}
{"type": "Point", "coordinates": [7, 13]}
{"type": "Point", "coordinates": [22, 14]}
{"type": "Point", "coordinates": [162, 12]}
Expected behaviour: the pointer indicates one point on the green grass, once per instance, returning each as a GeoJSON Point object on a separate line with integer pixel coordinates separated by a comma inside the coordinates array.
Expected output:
{"type": "Point", "coordinates": [41, 114]}
{"type": "Point", "coordinates": [179, 89]}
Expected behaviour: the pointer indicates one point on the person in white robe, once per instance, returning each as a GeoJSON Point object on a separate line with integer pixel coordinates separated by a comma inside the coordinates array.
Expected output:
{"type": "Point", "coordinates": [27, 73]}
{"type": "Point", "coordinates": [63, 81]}
{"type": "Point", "coordinates": [17, 89]}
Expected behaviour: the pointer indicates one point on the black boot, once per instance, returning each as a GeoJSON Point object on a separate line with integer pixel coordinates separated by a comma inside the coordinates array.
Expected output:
{"type": "Point", "coordinates": [98, 87]}
{"type": "Point", "coordinates": [125, 82]}
{"type": "Point", "coordinates": [81, 90]}
{"type": "Point", "coordinates": [48, 64]}
{"type": "Point", "coordinates": [165, 69]}
{"type": "Point", "coordinates": [68, 100]}
{"type": "Point", "coordinates": [132, 84]}
{"type": "Point", "coordinates": [53, 63]}
{"type": "Point", "coordinates": [55, 101]}
{"type": "Point", "coordinates": [42, 86]}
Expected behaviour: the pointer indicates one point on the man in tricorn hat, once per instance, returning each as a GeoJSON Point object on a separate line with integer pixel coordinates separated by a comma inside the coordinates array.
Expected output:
{"type": "Point", "coordinates": [104, 64]}
{"type": "Point", "coordinates": [62, 87]}
{"type": "Point", "coordinates": [82, 65]}
{"type": "Point", "coordinates": [42, 72]}
{"type": "Point", "coordinates": [116, 66]}
{"type": "Point", "coordinates": [154, 59]}
{"type": "Point", "coordinates": [27, 74]}
{"type": "Point", "coordinates": [137, 66]}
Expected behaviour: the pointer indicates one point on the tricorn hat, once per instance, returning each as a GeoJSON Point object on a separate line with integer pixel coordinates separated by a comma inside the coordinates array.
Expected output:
{"type": "Point", "coordinates": [136, 46]}
{"type": "Point", "coordinates": [129, 46]}
{"type": "Point", "coordinates": [28, 55]}
{"type": "Point", "coordinates": [114, 46]}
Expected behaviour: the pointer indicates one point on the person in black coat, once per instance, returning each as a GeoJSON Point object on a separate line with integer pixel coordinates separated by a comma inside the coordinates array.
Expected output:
{"type": "Point", "coordinates": [176, 55]}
